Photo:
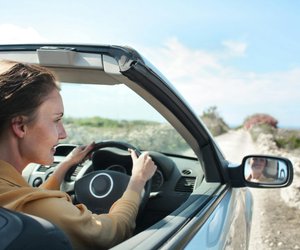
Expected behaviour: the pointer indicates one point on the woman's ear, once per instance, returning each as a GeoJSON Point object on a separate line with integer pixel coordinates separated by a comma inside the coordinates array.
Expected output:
{"type": "Point", "coordinates": [18, 125]}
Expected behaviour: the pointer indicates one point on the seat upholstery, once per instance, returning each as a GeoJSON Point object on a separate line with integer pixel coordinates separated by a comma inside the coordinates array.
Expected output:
{"type": "Point", "coordinates": [22, 231]}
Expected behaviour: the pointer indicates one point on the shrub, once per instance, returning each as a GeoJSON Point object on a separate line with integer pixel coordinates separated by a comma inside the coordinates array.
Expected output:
{"type": "Point", "coordinates": [262, 128]}
{"type": "Point", "coordinates": [214, 122]}
{"type": "Point", "coordinates": [141, 134]}
{"type": "Point", "coordinates": [288, 139]}
{"type": "Point", "coordinates": [258, 119]}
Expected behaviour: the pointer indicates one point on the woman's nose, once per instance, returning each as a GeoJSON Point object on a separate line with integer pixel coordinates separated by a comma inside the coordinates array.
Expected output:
{"type": "Point", "coordinates": [62, 132]}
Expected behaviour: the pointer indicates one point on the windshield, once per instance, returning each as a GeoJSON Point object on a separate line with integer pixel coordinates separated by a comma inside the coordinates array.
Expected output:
{"type": "Point", "coordinates": [115, 112]}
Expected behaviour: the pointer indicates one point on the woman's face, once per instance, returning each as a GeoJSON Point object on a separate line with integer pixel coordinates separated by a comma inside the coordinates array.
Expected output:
{"type": "Point", "coordinates": [258, 165]}
{"type": "Point", "coordinates": [44, 133]}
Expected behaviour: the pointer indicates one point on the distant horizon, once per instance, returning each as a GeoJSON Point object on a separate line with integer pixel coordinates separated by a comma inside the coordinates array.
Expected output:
{"type": "Point", "coordinates": [279, 124]}
{"type": "Point", "coordinates": [288, 127]}
{"type": "Point", "coordinates": [231, 125]}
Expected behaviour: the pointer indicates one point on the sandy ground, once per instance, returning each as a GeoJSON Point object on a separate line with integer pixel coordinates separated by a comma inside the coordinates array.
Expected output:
{"type": "Point", "coordinates": [274, 224]}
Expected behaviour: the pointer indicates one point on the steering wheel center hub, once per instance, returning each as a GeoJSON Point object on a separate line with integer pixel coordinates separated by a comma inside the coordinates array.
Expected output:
{"type": "Point", "coordinates": [101, 185]}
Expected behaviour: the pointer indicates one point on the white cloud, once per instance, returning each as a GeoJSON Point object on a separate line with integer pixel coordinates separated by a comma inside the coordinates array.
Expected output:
{"type": "Point", "coordinates": [11, 33]}
{"type": "Point", "coordinates": [235, 47]}
{"type": "Point", "coordinates": [204, 79]}
{"type": "Point", "coordinates": [181, 64]}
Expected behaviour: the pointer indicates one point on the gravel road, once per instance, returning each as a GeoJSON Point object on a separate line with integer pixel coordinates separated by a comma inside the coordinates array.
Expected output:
{"type": "Point", "coordinates": [274, 224]}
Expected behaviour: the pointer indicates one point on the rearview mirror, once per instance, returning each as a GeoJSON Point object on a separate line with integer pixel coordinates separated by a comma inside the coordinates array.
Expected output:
{"type": "Point", "coordinates": [260, 170]}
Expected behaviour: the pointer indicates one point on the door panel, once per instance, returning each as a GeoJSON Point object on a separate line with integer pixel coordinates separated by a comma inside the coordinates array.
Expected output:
{"type": "Point", "coordinates": [228, 226]}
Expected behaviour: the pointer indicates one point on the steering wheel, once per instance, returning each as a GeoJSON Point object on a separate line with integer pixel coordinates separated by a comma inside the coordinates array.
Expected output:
{"type": "Point", "coordinates": [99, 189]}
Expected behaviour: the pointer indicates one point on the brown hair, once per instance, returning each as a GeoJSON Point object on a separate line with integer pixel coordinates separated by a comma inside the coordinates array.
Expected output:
{"type": "Point", "coordinates": [23, 87]}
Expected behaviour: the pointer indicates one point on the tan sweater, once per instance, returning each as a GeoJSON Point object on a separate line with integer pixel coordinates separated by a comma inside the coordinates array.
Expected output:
{"type": "Point", "coordinates": [84, 229]}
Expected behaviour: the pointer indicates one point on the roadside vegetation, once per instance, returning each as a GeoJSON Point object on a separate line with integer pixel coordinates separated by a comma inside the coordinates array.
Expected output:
{"type": "Point", "coordinates": [142, 134]}
{"type": "Point", "coordinates": [99, 122]}
{"type": "Point", "coordinates": [288, 139]}
{"type": "Point", "coordinates": [214, 122]}
{"type": "Point", "coordinates": [154, 135]}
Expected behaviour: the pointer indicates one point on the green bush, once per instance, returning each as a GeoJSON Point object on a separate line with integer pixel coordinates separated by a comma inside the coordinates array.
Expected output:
{"type": "Point", "coordinates": [288, 139]}
{"type": "Point", "coordinates": [285, 139]}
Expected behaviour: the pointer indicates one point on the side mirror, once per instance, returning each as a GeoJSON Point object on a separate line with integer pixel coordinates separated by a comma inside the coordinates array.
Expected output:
{"type": "Point", "coordinates": [267, 171]}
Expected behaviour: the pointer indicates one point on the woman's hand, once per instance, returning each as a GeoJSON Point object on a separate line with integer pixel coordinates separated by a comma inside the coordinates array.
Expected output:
{"type": "Point", "coordinates": [142, 170]}
{"type": "Point", "coordinates": [77, 155]}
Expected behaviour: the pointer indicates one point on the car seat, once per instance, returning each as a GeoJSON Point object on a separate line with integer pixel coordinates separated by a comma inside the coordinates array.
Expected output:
{"type": "Point", "coordinates": [23, 231]}
{"type": "Point", "coordinates": [272, 168]}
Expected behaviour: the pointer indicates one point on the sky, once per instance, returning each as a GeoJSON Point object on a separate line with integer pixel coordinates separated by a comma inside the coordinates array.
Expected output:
{"type": "Point", "coordinates": [240, 56]}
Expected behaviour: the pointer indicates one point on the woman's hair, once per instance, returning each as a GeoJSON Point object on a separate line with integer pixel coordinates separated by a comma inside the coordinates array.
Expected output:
{"type": "Point", "coordinates": [23, 88]}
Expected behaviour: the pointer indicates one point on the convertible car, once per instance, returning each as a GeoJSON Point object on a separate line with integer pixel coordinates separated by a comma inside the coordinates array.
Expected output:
{"type": "Point", "coordinates": [115, 97]}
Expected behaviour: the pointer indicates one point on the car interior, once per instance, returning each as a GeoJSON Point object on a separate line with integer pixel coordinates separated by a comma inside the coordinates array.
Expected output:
{"type": "Point", "coordinates": [92, 84]}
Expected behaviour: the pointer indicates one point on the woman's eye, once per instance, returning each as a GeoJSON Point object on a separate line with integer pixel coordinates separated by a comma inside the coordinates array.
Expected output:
{"type": "Point", "coordinates": [58, 120]}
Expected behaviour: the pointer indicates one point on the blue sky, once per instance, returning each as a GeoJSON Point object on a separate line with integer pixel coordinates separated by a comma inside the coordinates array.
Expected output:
{"type": "Point", "coordinates": [241, 56]}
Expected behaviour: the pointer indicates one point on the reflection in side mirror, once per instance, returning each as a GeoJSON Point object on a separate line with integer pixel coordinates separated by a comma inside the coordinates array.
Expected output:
{"type": "Point", "coordinates": [265, 170]}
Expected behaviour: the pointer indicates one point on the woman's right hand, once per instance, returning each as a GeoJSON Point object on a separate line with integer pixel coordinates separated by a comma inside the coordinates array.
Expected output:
{"type": "Point", "coordinates": [77, 155]}
{"type": "Point", "coordinates": [142, 170]}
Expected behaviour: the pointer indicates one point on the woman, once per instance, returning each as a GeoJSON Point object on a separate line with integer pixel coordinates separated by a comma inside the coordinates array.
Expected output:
{"type": "Point", "coordinates": [31, 111]}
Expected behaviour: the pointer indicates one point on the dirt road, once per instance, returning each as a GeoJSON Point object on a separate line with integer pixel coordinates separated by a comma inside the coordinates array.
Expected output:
{"type": "Point", "coordinates": [274, 224]}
